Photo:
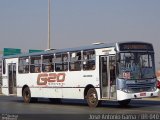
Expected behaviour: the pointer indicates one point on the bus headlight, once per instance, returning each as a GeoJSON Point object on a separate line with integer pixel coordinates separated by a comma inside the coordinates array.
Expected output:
{"type": "Point", "coordinates": [130, 90]}
{"type": "Point", "coordinates": [153, 88]}
{"type": "Point", "coordinates": [127, 90]}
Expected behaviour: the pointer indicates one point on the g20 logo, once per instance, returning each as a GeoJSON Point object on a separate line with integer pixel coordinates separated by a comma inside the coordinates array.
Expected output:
{"type": "Point", "coordinates": [45, 78]}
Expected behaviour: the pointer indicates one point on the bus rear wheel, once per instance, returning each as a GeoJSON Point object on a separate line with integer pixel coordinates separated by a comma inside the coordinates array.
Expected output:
{"type": "Point", "coordinates": [92, 98]}
{"type": "Point", "coordinates": [124, 103]}
{"type": "Point", "coordinates": [26, 95]}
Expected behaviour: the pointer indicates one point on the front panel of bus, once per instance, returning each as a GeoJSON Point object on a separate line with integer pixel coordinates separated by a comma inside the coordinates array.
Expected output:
{"type": "Point", "coordinates": [135, 71]}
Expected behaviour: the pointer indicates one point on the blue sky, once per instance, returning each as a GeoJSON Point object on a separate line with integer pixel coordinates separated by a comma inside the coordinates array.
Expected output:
{"type": "Point", "coordinates": [23, 23]}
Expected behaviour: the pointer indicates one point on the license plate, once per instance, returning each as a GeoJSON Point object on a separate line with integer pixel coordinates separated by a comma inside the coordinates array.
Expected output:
{"type": "Point", "coordinates": [143, 94]}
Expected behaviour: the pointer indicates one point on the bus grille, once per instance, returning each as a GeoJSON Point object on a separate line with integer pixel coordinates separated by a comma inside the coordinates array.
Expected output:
{"type": "Point", "coordinates": [141, 87]}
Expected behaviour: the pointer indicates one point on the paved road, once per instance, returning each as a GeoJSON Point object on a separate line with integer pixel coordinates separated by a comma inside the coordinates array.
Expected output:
{"type": "Point", "coordinates": [13, 107]}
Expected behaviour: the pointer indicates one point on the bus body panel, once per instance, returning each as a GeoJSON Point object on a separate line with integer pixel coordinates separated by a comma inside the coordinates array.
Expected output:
{"type": "Point", "coordinates": [5, 90]}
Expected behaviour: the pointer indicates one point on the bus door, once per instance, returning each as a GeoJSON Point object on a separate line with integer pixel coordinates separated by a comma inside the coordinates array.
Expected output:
{"type": "Point", "coordinates": [107, 77]}
{"type": "Point", "coordinates": [12, 78]}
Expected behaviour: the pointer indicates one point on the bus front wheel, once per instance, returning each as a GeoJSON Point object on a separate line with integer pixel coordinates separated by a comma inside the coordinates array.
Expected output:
{"type": "Point", "coordinates": [26, 95]}
{"type": "Point", "coordinates": [92, 98]}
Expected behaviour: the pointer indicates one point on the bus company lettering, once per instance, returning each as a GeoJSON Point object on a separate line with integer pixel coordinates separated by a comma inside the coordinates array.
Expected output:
{"type": "Point", "coordinates": [45, 78]}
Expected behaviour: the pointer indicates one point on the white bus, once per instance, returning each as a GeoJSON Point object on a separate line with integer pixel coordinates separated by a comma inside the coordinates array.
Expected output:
{"type": "Point", "coordinates": [119, 71]}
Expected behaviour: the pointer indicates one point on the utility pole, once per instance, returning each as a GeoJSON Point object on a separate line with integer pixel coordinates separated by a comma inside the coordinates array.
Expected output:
{"type": "Point", "coordinates": [49, 27]}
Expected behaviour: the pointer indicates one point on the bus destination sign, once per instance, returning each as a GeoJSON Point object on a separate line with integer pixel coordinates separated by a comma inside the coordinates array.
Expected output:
{"type": "Point", "coordinates": [135, 46]}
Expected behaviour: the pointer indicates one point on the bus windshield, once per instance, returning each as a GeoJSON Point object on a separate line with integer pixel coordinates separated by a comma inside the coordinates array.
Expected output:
{"type": "Point", "coordinates": [136, 65]}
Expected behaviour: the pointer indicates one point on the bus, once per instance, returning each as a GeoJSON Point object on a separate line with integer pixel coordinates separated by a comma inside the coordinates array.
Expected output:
{"type": "Point", "coordinates": [118, 71]}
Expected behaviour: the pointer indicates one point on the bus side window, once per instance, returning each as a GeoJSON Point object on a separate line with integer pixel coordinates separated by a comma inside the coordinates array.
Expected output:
{"type": "Point", "coordinates": [47, 63]}
{"type": "Point", "coordinates": [61, 62]}
{"type": "Point", "coordinates": [89, 60]}
{"type": "Point", "coordinates": [65, 61]}
{"type": "Point", "coordinates": [48, 68]}
{"type": "Point", "coordinates": [37, 69]}
{"type": "Point", "coordinates": [75, 61]}
{"type": "Point", "coordinates": [35, 64]}
{"type": "Point", "coordinates": [23, 65]}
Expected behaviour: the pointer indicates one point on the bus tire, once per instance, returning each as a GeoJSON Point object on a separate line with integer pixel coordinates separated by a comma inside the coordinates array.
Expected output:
{"type": "Point", "coordinates": [26, 95]}
{"type": "Point", "coordinates": [92, 98]}
{"type": "Point", "coordinates": [124, 103]}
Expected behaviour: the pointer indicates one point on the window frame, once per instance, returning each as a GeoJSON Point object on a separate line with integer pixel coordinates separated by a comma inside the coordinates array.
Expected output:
{"type": "Point", "coordinates": [25, 69]}
{"type": "Point", "coordinates": [75, 63]}
{"type": "Point", "coordinates": [35, 67]}
{"type": "Point", "coordinates": [48, 66]}
{"type": "Point", "coordinates": [89, 60]}
{"type": "Point", "coordinates": [60, 64]}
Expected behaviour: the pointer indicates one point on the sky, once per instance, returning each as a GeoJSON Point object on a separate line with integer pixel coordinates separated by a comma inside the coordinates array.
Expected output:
{"type": "Point", "coordinates": [24, 23]}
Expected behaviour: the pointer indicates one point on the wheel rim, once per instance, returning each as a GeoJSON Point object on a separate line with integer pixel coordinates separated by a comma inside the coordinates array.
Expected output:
{"type": "Point", "coordinates": [92, 98]}
{"type": "Point", "coordinates": [26, 96]}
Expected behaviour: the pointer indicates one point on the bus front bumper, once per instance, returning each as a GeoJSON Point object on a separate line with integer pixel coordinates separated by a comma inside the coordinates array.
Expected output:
{"type": "Point", "coordinates": [121, 95]}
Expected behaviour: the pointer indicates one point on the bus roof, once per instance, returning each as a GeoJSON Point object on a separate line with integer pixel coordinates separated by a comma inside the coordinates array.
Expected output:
{"type": "Point", "coordinates": [89, 47]}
